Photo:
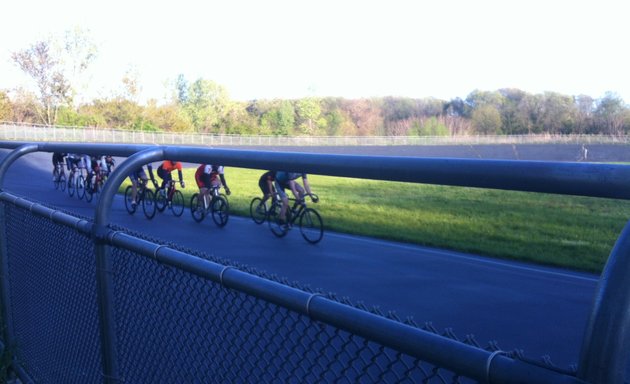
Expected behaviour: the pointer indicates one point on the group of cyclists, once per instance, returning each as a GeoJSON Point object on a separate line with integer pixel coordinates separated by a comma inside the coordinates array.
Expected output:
{"type": "Point", "coordinates": [207, 177]}
{"type": "Point", "coordinates": [94, 166]}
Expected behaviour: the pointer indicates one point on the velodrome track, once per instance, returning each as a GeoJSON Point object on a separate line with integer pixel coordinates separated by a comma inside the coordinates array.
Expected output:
{"type": "Point", "coordinates": [542, 311]}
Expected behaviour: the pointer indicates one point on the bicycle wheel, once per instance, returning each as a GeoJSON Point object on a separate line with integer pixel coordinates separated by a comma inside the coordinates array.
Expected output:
{"type": "Point", "coordinates": [197, 210]}
{"type": "Point", "coordinates": [160, 199]}
{"type": "Point", "coordinates": [89, 194]}
{"type": "Point", "coordinates": [311, 226]}
{"type": "Point", "coordinates": [56, 178]}
{"type": "Point", "coordinates": [81, 187]}
{"type": "Point", "coordinates": [220, 211]}
{"type": "Point", "coordinates": [148, 204]}
{"type": "Point", "coordinates": [224, 196]}
{"type": "Point", "coordinates": [258, 210]}
{"type": "Point", "coordinates": [273, 220]}
{"type": "Point", "coordinates": [177, 203]}
{"type": "Point", "coordinates": [131, 209]}
{"type": "Point", "coordinates": [62, 182]}
{"type": "Point", "coordinates": [72, 185]}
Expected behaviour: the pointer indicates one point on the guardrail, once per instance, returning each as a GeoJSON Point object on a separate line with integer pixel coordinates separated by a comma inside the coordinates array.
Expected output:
{"type": "Point", "coordinates": [227, 324]}
{"type": "Point", "coordinates": [29, 132]}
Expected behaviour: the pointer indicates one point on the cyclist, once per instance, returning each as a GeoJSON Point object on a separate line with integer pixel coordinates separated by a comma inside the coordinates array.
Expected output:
{"type": "Point", "coordinates": [266, 185]}
{"type": "Point", "coordinates": [288, 180]}
{"type": "Point", "coordinates": [73, 161]}
{"type": "Point", "coordinates": [57, 160]}
{"type": "Point", "coordinates": [165, 169]}
{"type": "Point", "coordinates": [97, 164]}
{"type": "Point", "coordinates": [109, 164]}
{"type": "Point", "coordinates": [87, 164]}
{"type": "Point", "coordinates": [210, 176]}
{"type": "Point", "coordinates": [136, 175]}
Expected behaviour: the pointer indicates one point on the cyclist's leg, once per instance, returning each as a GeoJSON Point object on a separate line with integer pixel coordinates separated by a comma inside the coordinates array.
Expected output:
{"type": "Point", "coordinates": [285, 202]}
{"type": "Point", "coordinates": [164, 176]}
{"type": "Point", "coordinates": [264, 188]}
{"type": "Point", "coordinates": [203, 193]}
{"type": "Point", "coordinates": [299, 189]}
{"type": "Point", "coordinates": [134, 189]}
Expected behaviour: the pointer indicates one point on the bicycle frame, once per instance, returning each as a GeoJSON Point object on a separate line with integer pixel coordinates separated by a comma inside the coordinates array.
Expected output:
{"type": "Point", "coordinates": [141, 186]}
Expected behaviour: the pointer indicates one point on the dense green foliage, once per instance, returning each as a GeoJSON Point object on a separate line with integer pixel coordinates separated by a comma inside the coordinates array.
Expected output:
{"type": "Point", "coordinates": [566, 231]}
{"type": "Point", "coordinates": [206, 108]}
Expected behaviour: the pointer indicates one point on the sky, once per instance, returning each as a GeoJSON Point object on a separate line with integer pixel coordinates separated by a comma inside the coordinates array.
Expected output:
{"type": "Point", "coordinates": [264, 49]}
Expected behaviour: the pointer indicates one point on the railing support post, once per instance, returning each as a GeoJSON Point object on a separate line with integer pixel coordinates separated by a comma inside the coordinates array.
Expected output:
{"type": "Point", "coordinates": [606, 346]}
{"type": "Point", "coordinates": [104, 268]}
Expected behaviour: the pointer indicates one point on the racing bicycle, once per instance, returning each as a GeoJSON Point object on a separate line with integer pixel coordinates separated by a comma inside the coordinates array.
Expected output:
{"type": "Point", "coordinates": [95, 184]}
{"type": "Point", "coordinates": [59, 177]}
{"type": "Point", "coordinates": [218, 207]}
{"type": "Point", "coordinates": [169, 196]}
{"type": "Point", "coordinates": [144, 196]}
{"type": "Point", "coordinates": [308, 219]}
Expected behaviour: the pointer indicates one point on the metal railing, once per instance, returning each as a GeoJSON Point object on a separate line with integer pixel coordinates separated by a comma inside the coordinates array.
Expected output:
{"type": "Point", "coordinates": [142, 310]}
{"type": "Point", "coordinates": [30, 132]}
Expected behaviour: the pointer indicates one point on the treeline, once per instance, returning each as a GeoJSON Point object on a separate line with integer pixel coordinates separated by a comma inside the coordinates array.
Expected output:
{"type": "Point", "coordinates": [204, 106]}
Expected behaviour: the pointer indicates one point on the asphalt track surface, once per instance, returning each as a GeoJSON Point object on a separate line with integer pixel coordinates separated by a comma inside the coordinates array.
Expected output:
{"type": "Point", "coordinates": [539, 310]}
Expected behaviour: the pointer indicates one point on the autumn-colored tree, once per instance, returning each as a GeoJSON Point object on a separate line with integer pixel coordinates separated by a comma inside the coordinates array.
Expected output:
{"type": "Point", "coordinates": [54, 66]}
{"type": "Point", "coordinates": [366, 116]}
{"type": "Point", "coordinates": [24, 106]}
{"type": "Point", "coordinates": [168, 118]}
{"type": "Point", "coordinates": [6, 109]}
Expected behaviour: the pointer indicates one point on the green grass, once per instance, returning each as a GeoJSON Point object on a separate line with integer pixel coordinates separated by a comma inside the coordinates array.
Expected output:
{"type": "Point", "coordinates": [566, 231]}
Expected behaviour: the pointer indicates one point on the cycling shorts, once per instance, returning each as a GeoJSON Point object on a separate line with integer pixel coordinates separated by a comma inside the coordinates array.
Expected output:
{"type": "Point", "coordinates": [204, 180]}
{"type": "Point", "coordinates": [280, 187]}
{"type": "Point", "coordinates": [264, 186]}
{"type": "Point", "coordinates": [138, 174]}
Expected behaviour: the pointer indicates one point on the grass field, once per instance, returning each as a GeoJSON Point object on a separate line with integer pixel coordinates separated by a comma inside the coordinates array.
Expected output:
{"type": "Point", "coordinates": [566, 231]}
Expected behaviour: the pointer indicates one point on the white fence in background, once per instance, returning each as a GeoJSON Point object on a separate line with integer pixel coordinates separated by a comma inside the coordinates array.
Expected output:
{"type": "Point", "coordinates": [27, 132]}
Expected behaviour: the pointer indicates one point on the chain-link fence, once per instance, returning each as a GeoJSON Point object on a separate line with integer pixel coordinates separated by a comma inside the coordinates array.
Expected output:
{"type": "Point", "coordinates": [54, 309]}
{"type": "Point", "coordinates": [174, 325]}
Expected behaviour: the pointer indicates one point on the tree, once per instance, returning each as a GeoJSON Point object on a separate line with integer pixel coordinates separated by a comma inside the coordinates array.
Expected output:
{"type": "Point", "coordinates": [487, 120]}
{"type": "Point", "coordinates": [207, 105]}
{"type": "Point", "coordinates": [24, 105]}
{"type": "Point", "coordinates": [54, 67]}
{"type": "Point", "coordinates": [308, 111]}
{"type": "Point", "coordinates": [278, 119]}
{"type": "Point", "coordinates": [6, 110]}
{"type": "Point", "coordinates": [366, 116]}
{"type": "Point", "coordinates": [609, 114]}
{"type": "Point", "coordinates": [531, 110]}
{"type": "Point", "coordinates": [585, 106]}
{"type": "Point", "coordinates": [514, 122]}
{"type": "Point", "coordinates": [131, 85]}
{"type": "Point", "coordinates": [181, 84]}
{"type": "Point", "coordinates": [169, 118]}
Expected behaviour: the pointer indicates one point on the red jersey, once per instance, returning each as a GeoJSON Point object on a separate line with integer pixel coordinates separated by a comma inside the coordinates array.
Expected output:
{"type": "Point", "coordinates": [170, 166]}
